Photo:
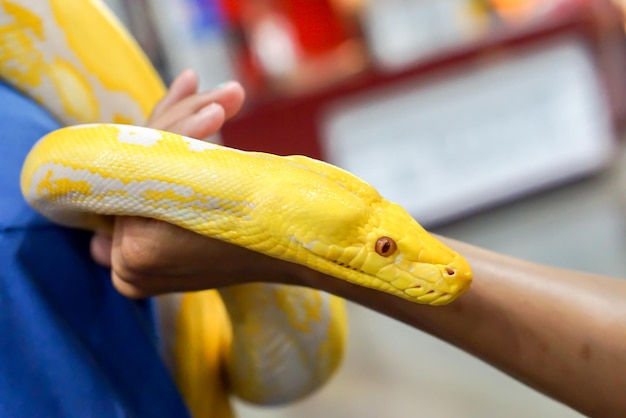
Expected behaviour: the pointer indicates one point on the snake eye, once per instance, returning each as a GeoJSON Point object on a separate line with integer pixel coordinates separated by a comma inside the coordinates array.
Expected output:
{"type": "Point", "coordinates": [385, 246]}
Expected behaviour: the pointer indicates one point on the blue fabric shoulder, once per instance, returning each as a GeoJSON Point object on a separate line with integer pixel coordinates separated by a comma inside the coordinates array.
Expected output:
{"type": "Point", "coordinates": [71, 346]}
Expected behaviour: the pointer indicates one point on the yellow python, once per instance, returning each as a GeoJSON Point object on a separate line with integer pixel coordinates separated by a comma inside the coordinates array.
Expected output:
{"type": "Point", "coordinates": [274, 343]}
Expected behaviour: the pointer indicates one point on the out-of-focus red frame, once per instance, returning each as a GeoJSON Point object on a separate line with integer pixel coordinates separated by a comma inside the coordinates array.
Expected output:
{"type": "Point", "coordinates": [291, 125]}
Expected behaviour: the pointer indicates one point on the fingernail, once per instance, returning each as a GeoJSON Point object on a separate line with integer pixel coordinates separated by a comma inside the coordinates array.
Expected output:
{"type": "Point", "coordinates": [188, 72]}
{"type": "Point", "coordinates": [222, 84]}
{"type": "Point", "coordinates": [182, 76]}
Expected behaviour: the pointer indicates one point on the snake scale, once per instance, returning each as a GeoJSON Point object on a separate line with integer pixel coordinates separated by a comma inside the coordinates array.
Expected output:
{"type": "Point", "coordinates": [274, 343]}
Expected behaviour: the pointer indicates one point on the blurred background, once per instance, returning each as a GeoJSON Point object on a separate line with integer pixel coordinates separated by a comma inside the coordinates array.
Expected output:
{"type": "Point", "coordinates": [496, 122]}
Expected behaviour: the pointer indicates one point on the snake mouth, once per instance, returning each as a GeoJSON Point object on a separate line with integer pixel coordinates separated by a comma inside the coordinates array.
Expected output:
{"type": "Point", "coordinates": [419, 282]}
{"type": "Point", "coordinates": [440, 284]}
{"type": "Point", "coordinates": [432, 297]}
{"type": "Point", "coordinates": [349, 267]}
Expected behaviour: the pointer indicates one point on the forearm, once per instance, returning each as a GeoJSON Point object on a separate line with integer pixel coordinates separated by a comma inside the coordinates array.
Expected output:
{"type": "Point", "coordinates": [561, 332]}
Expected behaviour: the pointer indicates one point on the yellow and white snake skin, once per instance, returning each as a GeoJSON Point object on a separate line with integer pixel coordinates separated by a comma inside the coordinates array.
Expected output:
{"type": "Point", "coordinates": [274, 343]}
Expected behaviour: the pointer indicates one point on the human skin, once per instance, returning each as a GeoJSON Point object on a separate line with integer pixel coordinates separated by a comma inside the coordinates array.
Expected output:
{"type": "Point", "coordinates": [561, 332]}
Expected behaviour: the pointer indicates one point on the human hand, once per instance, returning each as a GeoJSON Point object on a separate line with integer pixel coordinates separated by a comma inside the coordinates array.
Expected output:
{"type": "Point", "coordinates": [186, 111]}
{"type": "Point", "coordinates": [149, 257]}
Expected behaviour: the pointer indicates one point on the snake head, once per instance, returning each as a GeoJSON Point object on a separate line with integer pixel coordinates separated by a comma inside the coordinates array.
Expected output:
{"type": "Point", "coordinates": [341, 226]}
{"type": "Point", "coordinates": [358, 236]}
{"type": "Point", "coordinates": [393, 253]}
{"type": "Point", "coordinates": [407, 260]}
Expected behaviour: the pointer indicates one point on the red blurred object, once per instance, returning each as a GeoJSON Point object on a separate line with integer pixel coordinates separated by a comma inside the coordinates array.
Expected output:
{"type": "Point", "coordinates": [319, 27]}
{"type": "Point", "coordinates": [278, 43]}
{"type": "Point", "coordinates": [290, 125]}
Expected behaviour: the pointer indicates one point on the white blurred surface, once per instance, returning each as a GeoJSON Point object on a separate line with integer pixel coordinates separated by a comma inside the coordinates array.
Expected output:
{"type": "Point", "coordinates": [479, 133]}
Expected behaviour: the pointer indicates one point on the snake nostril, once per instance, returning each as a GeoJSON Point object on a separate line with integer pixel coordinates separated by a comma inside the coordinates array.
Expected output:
{"type": "Point", "coordinates": [450, 271]}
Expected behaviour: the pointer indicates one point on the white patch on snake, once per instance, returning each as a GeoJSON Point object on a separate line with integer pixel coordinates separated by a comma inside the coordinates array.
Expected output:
{"type": "Point", "coordinates": [138, 136]}
{"type": "Point", "coordinates": [198, 145]}
{"type": "Point", "coordinates": [111, 196]}
{"type": "Point", "coordinates": [84, 126]}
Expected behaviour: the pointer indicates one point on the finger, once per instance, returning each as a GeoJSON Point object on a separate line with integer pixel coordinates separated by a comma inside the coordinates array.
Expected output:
{"type": "Point", "coordinates": [100, 248]}
{"type": "Point", "coordinates": [146, 247]}
{"type": "Point", "coordinates": [155, 286]}
{"type": "Point", "coordinates": [233, 97]}
{"type": "Point", "coordinates": [230, 96]}
{"type": "Point", "coordinates": [184, 85]}
{"type": "Point", "coordinates": [151, 257]}
{"type": "Point", "coordinates": [202, 124]}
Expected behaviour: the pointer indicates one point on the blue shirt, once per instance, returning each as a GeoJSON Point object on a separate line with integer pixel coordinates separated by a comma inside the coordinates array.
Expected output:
{"type": "Point", "coordinates": [70, 345]}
